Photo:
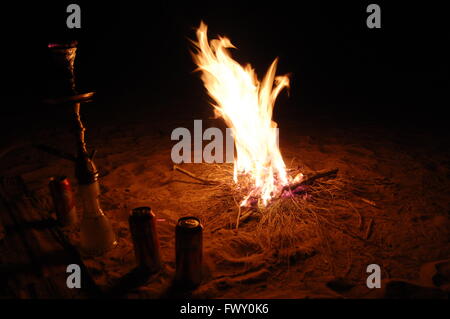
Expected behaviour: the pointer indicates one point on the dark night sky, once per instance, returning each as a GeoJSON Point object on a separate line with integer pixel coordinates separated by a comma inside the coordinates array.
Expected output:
{"type": "Point", "coordinates": [135, 50]}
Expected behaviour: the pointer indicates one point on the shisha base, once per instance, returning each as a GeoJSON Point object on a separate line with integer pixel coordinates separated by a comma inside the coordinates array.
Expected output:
{"type": "Point", "coordinates": [96, 233]}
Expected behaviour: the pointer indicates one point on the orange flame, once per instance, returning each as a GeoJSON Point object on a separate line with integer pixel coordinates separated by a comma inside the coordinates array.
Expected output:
{"type": "Point", "coordinates": [246, 105]}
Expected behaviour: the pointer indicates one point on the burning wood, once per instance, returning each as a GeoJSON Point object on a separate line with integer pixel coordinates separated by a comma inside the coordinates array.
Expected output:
{"type": "Point", "coordinates": [302, 184]}
{"type": "Point", "coordinates": [297, 186]}
{"type": "Point", "coordinates": [246, 105]}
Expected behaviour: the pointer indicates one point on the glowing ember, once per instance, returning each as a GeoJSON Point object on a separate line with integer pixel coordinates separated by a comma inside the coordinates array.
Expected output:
{"type": "Point", "coordinates": [246, 105]}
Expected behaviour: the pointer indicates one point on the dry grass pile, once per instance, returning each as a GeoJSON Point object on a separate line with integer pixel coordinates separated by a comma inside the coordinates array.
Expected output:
{"type": "Point", "coordinates": [286, 231]}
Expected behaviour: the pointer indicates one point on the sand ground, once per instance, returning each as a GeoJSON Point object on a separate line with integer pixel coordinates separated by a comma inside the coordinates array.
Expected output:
{"type": "Point", "coordinates": [398, 217]}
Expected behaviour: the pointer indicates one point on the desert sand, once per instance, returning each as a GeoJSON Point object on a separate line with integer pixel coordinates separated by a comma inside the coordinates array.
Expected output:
{"type": "Point", "coordinates": [389, 204]}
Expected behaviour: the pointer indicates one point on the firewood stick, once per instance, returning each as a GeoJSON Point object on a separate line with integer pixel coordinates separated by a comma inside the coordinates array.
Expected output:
{"type": "Point", "coordinates": [312, 179]}
{"type": "Point", "coordinates": [191, 175]}
{"type": "Point", "coordinates": [349, 267]}
{"type": "Point", "coordinates": [367, 201]}
{"type": "Point", "coordinates": [360, 219]}
{"type": "Point", "coordinates": [347, 232]}
{"type": "Point", "coordinates": [239, 213]}
{"type": "Point", "coordinates": [238, 218]}
{"type": "Point", "coordinates": [369, 228]}
{"type": "Point", "coordinates": [245, 215]}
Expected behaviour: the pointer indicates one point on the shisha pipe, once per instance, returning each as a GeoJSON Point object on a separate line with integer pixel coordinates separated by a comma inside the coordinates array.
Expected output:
{"type": "Point", "coordinates": [96, 233]}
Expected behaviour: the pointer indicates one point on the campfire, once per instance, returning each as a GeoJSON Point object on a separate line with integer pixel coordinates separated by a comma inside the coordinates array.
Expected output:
{"type": "Point", "coordinates": [246, 105]}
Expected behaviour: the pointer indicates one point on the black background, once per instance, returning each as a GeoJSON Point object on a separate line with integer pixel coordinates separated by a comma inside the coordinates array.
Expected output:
{"type": "Point", "coordinates": [279, 308]}
{"type": "Point", "coordinates": [139, 51]}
